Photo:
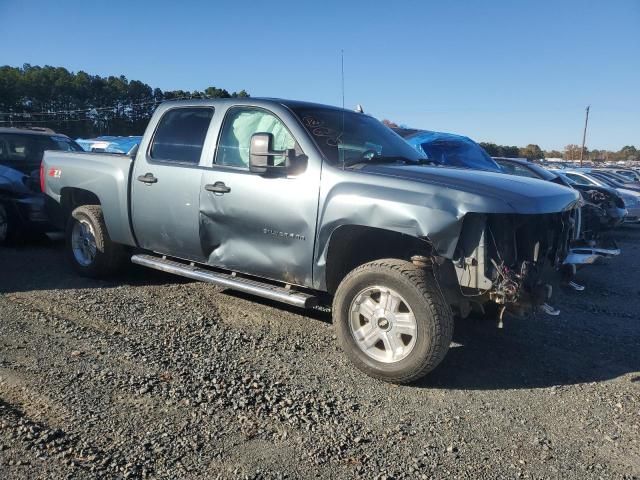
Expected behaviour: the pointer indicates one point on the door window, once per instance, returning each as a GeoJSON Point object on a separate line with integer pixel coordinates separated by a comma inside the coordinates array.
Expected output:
{"type": "Point", "coordinates": [180, 135]}
{"type": "Point", "coordinates": [241, 123]}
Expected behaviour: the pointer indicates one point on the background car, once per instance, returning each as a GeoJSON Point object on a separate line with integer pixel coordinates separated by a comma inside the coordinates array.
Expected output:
{"type": "Point", "coordinates": [448, 149]}
{"type": "Point", "coordinates": [615, 180]}
{"type": "Point", "coordinates": [109, 144]}
{"type": "Point", "coordinates": [21, 201]}
{"type": "Point", "coordinates": [631, 198]}
{"type": "Point", "coordinates": [628, 173]}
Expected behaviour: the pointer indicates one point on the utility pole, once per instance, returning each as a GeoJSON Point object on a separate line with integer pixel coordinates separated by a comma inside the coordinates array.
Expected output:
{"type": "Point", "coordinates": [584, 134]}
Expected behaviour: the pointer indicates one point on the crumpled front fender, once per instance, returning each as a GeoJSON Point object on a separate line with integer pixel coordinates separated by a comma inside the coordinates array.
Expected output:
{"type": "Point", "coordinates": [433, 211]}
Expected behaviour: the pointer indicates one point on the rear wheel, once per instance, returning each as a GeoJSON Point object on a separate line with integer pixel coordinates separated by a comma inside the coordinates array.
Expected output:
{"type": "Point", "coordinates": [89, 248]}
{"type": "Point", "coordinates": [392, 320]}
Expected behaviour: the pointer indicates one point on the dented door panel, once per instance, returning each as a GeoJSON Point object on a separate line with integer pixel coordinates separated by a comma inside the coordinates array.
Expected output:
{"type": "Point", "coordinates": [262, 226]}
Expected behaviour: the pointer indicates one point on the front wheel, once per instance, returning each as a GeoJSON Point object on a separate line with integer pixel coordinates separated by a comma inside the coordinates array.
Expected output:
{"type": "Point", "coordinates": [392, 320]}
{"type": "Point", "coordinates": [89, 248]}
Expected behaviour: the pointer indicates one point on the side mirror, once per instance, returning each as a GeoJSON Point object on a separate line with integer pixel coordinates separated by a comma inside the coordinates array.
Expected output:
{"type": "Point", "coordinates": [262, 157]}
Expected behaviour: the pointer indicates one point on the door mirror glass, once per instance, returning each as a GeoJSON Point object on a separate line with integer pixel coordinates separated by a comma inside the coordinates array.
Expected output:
{"type": "Point", "coordinates": [263, 158]}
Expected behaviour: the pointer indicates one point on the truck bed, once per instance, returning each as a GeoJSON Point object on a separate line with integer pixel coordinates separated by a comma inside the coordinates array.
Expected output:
{"type": "Point", "coordinates": [106, 175]}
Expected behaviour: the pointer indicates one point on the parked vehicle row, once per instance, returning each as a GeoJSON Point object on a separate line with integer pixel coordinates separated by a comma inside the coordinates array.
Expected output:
{"type": "Point", "coordinates": [629, 191]}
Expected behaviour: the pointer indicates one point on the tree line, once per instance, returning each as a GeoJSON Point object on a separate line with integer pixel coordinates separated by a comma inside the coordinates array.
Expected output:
{"type": "Point", "coordinates": [570, 152]}
{"type": "Point", "coordinates": [83, 105]}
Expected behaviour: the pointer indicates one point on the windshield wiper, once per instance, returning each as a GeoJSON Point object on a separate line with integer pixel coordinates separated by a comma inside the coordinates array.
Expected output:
{"type": "Point", "coordinates": [388, 159]}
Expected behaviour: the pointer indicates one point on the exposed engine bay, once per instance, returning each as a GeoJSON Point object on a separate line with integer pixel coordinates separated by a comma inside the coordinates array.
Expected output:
{"type": "Point", "coordinates": [506, 259]}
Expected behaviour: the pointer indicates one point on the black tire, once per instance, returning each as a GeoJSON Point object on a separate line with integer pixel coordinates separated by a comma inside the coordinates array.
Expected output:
{"type": "Point", "coordinates": [109, 256]}
{"type": "Point", "coordinates": [434, 319]}
{"type": "Point", "coordinates": [10, 231]}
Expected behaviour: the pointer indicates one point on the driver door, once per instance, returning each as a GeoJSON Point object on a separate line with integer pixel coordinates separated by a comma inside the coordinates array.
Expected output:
{"type": "Point", "coordinates": [258, 224]}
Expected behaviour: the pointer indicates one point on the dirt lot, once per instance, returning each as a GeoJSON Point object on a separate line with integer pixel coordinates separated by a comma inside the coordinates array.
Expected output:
{"type": "Point", "coordinates": [151, 376]}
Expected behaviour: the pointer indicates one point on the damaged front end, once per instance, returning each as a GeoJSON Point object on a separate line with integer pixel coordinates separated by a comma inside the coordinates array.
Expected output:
{"type": "Point", "coordinates": [509, 260]}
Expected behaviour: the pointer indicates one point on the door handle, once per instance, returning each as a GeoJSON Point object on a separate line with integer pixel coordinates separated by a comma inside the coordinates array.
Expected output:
{"type": "Point", "coordinates": [218, 187]}
{"type": "Point", "coordinates": [147, 178]}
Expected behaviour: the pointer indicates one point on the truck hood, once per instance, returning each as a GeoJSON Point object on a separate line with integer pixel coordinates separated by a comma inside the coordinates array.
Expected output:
{"type": "Point", "coordinates": [521, 194]}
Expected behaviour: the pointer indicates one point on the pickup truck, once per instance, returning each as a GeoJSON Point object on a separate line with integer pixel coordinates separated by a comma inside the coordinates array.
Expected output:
{"type": "Point", "coordinates": [305, 204]}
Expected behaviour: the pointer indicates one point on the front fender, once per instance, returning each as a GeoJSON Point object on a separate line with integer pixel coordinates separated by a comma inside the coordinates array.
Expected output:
{"type": "Point", "coordinates": [424, 203]}
{"type": "Point", "coordinates": [394, 207]}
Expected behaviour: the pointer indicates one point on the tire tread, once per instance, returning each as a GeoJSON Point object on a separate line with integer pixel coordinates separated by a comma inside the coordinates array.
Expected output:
{"type": "Point", "coordinates": [110, 257]}
{"type": "Point", "coordinates": [442, 328]}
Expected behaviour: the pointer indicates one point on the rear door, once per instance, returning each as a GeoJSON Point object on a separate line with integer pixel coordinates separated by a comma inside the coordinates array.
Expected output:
{"type": "Point", "coordinates": [165, 186]}
{"type": "Point", "coordinates": [259, 224]}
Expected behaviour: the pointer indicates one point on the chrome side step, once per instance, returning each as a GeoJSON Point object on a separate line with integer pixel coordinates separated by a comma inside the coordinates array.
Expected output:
{"type": "Point", "coordinates": [227, 280]}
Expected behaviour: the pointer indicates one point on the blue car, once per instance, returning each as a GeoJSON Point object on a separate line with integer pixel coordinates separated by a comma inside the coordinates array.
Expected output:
{"type": "Point", "coordinates": [449, 149]}
{"type": "Point", "coordinates": [109, 143]}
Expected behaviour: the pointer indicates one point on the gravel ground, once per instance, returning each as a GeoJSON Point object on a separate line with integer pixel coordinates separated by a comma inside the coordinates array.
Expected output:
{"type": "Point", "coordinates": [152, 376]}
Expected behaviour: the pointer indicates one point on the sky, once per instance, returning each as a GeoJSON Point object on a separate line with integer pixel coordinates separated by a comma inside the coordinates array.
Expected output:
{"type": "Point", "coordinates": [510, 72]}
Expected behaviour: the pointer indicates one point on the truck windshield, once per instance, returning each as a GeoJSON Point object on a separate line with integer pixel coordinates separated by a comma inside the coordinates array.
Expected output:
{"type": "Point", "coordinates": [354, 138]}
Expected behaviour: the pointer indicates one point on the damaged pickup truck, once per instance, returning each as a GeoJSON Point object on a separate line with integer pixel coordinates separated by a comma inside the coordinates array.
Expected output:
{"type": "Point", "coordinates": [302, 203]}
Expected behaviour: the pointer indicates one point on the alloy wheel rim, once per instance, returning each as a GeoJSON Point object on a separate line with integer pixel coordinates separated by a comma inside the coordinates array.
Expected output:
{"type": "Point", "coordinates": [382, 324]}
{"type": "Point", "coordinates": [83, 243]}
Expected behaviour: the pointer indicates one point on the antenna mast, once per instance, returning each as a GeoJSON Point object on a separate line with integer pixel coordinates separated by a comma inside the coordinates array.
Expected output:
{"type": "Point", "coordinates": [342, 74]}
{"type": "Point", "coordinates": [584, 134]}
{"type": "Point", "coordinates": [340, 151]}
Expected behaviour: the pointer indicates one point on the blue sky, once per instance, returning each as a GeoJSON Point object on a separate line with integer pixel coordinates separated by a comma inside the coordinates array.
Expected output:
{"type": "Point", "coordinates": [511, 72]}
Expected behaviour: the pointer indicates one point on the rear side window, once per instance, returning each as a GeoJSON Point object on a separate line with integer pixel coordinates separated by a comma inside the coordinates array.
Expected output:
{"type": "Point", "coordinates": [180, 135]}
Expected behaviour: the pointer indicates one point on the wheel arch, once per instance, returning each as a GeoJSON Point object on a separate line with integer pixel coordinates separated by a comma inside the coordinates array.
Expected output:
{"type": "Point", "coordinates": [350, 246]}
{"type": "Point", "coordinates": [116, 220]}
{"type": "Point", "coordinates": [73, 197]}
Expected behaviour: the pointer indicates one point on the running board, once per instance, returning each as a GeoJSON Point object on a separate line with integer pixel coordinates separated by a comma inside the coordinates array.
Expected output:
{"type": "Point", "coordinates": [227, 280]}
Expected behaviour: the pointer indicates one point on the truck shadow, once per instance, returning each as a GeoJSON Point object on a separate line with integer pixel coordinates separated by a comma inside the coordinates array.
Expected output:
{"type": "Point", "coordinates": [595, 339]}
{"type": "Point", "coordinates": [40, 264]}
{"type": "Point", "coordinates": [533, 354]}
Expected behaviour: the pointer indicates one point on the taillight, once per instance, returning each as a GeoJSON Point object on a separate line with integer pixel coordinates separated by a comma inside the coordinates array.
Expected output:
{"type": "Point", "coordinates": [42, 177]}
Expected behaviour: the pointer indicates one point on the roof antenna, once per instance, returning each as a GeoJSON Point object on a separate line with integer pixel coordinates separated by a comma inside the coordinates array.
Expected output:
{"type": "Point", "coordinates": [341, 151]}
